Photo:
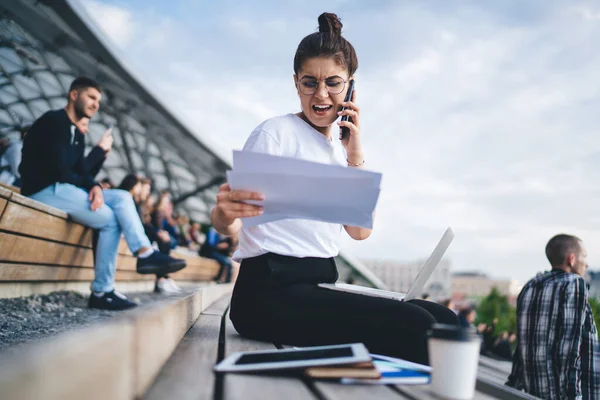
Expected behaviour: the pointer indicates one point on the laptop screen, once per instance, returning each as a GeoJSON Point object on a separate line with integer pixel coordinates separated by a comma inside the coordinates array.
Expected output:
{"type": "Point", "coordinates": [416, 289]}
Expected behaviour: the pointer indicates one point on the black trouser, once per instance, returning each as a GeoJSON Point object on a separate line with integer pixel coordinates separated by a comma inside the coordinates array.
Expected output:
{"type": "Point", "coordinates": [276, 299]}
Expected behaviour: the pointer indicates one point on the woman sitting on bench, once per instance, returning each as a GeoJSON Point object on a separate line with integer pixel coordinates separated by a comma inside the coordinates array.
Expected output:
{"type": "Point", "coordinates": [276, 297]}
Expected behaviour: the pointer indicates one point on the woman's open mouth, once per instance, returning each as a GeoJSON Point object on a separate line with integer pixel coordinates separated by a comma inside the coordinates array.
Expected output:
{"type": "Point", "coordinates": [321, 110]}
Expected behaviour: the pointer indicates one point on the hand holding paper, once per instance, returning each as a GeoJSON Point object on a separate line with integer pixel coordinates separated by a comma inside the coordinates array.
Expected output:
{"type": "Point", "coordinates": [302, 189]}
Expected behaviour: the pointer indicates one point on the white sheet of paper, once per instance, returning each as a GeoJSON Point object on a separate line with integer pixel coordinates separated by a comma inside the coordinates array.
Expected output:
{"type": "Point", "coordinates": [247, 161]}
{"type": "Point", "coordinates": [301, 189]}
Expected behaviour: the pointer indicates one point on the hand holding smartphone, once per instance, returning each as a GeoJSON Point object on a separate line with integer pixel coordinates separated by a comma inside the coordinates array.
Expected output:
{"type": "Point", "coordinates": [345, 130]}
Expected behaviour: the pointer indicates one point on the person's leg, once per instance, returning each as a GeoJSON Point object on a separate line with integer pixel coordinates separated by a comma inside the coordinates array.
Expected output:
{"type": "Point", "coordinates": [276, 298]}
{"type": "Point", "coordinates": [121, 202]}
{"type": "Point", "coordinates": [306, 315]}
{"type": "Point", "coordinates": [74, 201]}
{"type": "Point", "coordinates": [163, 247]}
{"type": "Point", "coordinates": [442, 315]}
{"type": "Point", "coordinates": [225, 263]}
{"type": "Point", "coordinates": [149, 261]}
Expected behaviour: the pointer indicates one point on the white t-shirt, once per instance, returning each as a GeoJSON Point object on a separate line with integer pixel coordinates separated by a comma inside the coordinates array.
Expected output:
{"type": "Point", "coordinates": [291, 136]}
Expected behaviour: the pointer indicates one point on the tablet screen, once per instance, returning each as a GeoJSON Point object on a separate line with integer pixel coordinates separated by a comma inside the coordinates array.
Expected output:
{"type": "Point", "coordinates": [295, 356]}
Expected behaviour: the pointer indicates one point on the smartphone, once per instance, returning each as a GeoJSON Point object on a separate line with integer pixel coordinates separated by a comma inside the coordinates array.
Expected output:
{"type": "Point", "coordinates": [345, 130]}
{"type": "Point", "coordinates": [110, 128]}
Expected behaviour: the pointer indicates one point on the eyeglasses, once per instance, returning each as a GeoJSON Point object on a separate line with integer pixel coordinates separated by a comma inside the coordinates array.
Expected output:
{"type": "Point", "coordinates": [334, 85]}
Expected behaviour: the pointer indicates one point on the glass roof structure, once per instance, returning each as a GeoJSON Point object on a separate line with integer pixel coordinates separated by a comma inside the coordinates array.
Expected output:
{"type": "Point", "coordinates": [45, 44]}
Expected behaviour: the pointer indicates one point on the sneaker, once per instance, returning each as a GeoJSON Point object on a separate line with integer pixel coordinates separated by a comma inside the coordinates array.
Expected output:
{"type": "Point", "coordinates": [110, 301]}
{"type": "Point", "coordinates": [164, 286]}
{"type": "Point", "coordinates": [159, 264]}
{"type": "Point", "coordinates": [173, 285]}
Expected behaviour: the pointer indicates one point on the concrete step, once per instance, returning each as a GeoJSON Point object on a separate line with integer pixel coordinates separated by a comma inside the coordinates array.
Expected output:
{"type": "Point", "coordinates": [118, 359]}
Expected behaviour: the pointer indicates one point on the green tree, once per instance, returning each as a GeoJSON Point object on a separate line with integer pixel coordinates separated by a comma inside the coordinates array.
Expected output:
{"type": "Point", "coordinates": [493, 306]}
{"type": "Point", "coordinates": [595, 304]}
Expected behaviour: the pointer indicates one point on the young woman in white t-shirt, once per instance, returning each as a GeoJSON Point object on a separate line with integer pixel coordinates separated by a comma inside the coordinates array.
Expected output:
{"type": "Point", "coordinates": [276, 297]}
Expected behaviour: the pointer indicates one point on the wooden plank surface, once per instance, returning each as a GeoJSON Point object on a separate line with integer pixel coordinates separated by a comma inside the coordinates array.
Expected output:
{"type": "Point", "coordinates": [337, 391]}
{"type": "Point", "coordinates": [26, 201]}
{"type": "Point", "coordinates": [124, 248]}
{"type": "Point", "coordinates": [126, 263]}
{"type": "Point", "coordinates": [491, 375]}
{"type": "Point", "coordinates": [10, 188]}
{"type": "Point", "coordinates": [188, 373]}
{"type": "Point", "coordinates": [188, 274]}
{"type": "Point", "coordinates": [219, 307]}
{"type": "Point", "coordinates": [5, 193]}
{"type": "Point", "coordinates": [503, 367]}
{"type": "Point", "coordinates": [45, 273]}
{"type": "Point", "coordinates": [26, 250]}
{"type": "Point", "coordinates": [333, 390]}
{"type": "Point", "coordinates": [500, 391]}
{"type": "Point", "coordinates": [3, 203]}
{"type": "Point", "coordinates": [245, 386]}
{"type": "Point", "coordinates": [420, 392]}
{"type": "Point", "coordinates": [207, 266]}
{"type": "Point", "coordinates": [28, 221]}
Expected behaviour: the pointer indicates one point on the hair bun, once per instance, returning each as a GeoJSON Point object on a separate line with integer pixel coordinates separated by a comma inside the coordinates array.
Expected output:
{"type": "Point", "coordinates": [330, 23]}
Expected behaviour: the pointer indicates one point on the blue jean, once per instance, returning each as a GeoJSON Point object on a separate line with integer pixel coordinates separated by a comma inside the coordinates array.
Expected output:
{"type": "Point", "coordinates": [117, 215]}
{"type": "Point", "coordinates": [224, 261]}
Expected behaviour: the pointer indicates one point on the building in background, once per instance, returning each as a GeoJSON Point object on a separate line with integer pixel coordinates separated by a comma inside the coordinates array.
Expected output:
{"type": "Point", "coordinates": [473, 286]}
{"type": "Point", "coordinates": [594, 281]}
{"type": "Point", "coordinates": [399, 276]}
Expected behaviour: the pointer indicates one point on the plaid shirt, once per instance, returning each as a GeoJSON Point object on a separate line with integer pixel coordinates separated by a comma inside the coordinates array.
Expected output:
{"type": "Point", "coordinates": [558, 354]}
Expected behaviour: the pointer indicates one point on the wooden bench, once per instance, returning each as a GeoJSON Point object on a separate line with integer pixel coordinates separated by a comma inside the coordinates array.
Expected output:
{"type": "Point", "coordinates": [40, 245]}
{"type": "Point", "coordinates": [188, 374]}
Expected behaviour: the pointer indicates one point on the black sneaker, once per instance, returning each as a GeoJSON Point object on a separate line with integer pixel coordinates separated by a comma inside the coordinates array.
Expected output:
{"type": "Point", "coordinates": [159, 264]}
{"type": "Point", "coordinates": [110, 301]}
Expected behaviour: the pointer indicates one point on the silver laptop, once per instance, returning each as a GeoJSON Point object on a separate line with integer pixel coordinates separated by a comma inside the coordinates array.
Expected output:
{"type": "Point", "coordinates": [416, 288]}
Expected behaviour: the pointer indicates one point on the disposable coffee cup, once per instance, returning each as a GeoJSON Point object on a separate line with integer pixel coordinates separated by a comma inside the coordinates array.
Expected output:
{"type": "Point", "coordinates": [453, 356]}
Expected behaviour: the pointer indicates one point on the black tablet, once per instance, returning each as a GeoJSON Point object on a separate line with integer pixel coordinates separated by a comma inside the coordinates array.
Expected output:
{"type": "Point", "coordinates": [265, 360]}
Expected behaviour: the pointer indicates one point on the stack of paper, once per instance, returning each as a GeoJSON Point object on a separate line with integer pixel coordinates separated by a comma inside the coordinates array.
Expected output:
{"type": "Point", "coordinates": [302, 189]}
{"type": "Point", "coordinates": [365, 370]}
{"type": "Point", "coordinates": [394, 371]}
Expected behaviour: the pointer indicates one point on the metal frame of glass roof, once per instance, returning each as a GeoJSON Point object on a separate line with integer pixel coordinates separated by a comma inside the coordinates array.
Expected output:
{"type": "Point", "coordinates": [44, 45]}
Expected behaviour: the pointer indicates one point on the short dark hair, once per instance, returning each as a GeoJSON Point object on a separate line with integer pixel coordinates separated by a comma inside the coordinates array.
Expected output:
{"type": "Point", "coordinates": [129, 182]}
{"type": "Point", "coordinates": [560, 246]}
{"type": "Point", "coordinates": [82, 83]}
{"type": "Point", "coordinates": [446, 302]}
{"type": "Point", "coordinates": [466, 310]}
{"type": "Point", "coordinates": [328, 42]}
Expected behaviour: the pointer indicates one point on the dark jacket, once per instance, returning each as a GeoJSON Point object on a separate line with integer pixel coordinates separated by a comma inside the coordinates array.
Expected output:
{"type": "Point", "coordinates": [53, 152]}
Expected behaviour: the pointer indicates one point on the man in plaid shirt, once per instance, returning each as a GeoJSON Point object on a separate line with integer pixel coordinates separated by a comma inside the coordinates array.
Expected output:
{"type": "Point", "coordinates": [558, 354]}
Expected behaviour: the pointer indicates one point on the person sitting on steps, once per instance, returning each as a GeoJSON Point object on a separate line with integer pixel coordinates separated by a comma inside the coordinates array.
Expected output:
{"type": "Point", "coordinates": [53, 172]}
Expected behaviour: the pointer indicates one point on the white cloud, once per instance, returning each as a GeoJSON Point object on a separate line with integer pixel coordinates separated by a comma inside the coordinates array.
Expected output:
{"type": "Point", "coordinates": [589, 14]}
{"type": "Point", "coordinates": [118, 23]}
{"type": "Point", "coordinates": [479, 118]}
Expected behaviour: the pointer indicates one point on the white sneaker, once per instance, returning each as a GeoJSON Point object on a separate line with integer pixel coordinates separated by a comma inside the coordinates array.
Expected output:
{"type": "Point", "coordinates": [163, 286]}
{"type": "Point", "coordinates": [173, 285]}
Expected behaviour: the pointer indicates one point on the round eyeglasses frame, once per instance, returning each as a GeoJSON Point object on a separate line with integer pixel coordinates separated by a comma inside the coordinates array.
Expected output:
{"type": "Point", "coordinates": [329, 89]}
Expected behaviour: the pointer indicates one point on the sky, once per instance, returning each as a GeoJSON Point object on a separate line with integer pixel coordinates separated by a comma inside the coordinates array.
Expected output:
{"type": "Point", "coordinates": [480, 115]}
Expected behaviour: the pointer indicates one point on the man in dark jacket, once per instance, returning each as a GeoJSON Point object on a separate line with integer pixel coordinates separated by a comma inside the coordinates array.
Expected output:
{"type": "Point", "coordinates": [54, 171]}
